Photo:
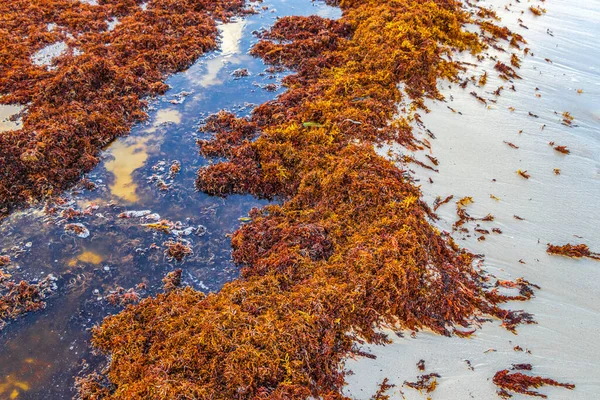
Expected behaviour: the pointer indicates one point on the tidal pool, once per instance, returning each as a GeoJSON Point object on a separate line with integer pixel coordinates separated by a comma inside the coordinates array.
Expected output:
{"type": "Point", "coordinates": [43, 351]}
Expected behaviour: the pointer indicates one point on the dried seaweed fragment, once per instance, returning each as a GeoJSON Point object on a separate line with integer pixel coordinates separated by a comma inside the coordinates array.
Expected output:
{"type": "Point", "coordinates": [425, 383]}
{"type": "Point", "coordinates": [562, 149]}
{"type": "Point", "coordinates": [439, 202]}
{"type": "Point", "coordinates": [574, 251]}
{"type": "Point", "coordinates": [567, 118]}
{"type": "Point", "coordinates": [518, 382]}
{"type": "Point", "coordinates": [507, 73]}
{"type": "Point", "coordinates": [384, 386]}
{"type": "Point", "coordinates": [537, 10]}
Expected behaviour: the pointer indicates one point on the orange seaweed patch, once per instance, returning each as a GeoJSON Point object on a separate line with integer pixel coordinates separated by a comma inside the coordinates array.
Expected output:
{"type": "Point", "coordinates": [177, 250]}
{"type": "Point", "coordinates": [574, 251]}
{"type": "Point", "coordinates": [348, 249]}
{"type": "Point", "coordinates": [83, 98]}
{"type": "Point", "coordinates": [384, 386]}
{"type": "Point", "coordinates": [121, 297]}
{"type": "Point", "coordinates": [426, 383]}
{"type": "Point", "coordinates": [518, 382]}
{"type": "Point", "coordinates": [20, 298]}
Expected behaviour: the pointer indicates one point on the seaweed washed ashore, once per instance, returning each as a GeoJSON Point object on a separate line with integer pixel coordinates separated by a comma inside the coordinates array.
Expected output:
{"type": "Point", "coordinates": [83, 71]}
{"type": "Point", "coordinates": [348, 250]}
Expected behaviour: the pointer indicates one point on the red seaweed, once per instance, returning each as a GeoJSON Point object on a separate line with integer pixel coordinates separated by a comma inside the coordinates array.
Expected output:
{"type": "Point", "coordinates": [518, 382]}
{"type": "Point", "coordinates": [347, 249]}
{"type": "Point", "coordinates": [95, 91]}
{"type": "Point", "coordinates": [573, 251]}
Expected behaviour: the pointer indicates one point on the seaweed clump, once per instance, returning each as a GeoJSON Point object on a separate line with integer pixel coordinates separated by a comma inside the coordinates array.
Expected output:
{"type": "Point", "coordinates": [425, 383]}
{"type": "Point", "coordinates": [82, 99]}
{"type": "Point", "coordinates": [177, 250]}
{"type": "Point", "coordinates": [573, 251]}
{"type": "Point", "coordinates": [518, 382]}
{"type": "Point", "coordinates": [384, 386]}
{"type": "Point", "coordinates": [348, 249]}
{"type": "Point", "coordinates": [18, 298]}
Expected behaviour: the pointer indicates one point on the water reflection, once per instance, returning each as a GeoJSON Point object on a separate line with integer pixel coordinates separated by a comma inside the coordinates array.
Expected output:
{"type": "Point", "coordinates": [124, 251]}
{"type": "Point", "coordinates": [90, 257]}
{"type": "Point", "coordinates": [12, 388]}
{"type": "Point", "coordinates": [231, 36]}
{"type": "Point", "coordinates": [131, 153]}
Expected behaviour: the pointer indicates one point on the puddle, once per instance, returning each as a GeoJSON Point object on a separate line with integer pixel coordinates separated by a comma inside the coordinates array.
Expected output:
{"type": "Point", "coordinates": [128, 156]}
{"type": "Point", "coordinates": [124, 252]}
{"type": "Point", "coordinates": [231, 35]}
{"type": "Point", "coordinates": [131, 153]}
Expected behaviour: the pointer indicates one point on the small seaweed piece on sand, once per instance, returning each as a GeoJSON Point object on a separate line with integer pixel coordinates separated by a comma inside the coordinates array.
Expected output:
{"type": "Point", "coordinates": [574, 251]}
{"type": "Point", "coordinates": [384, 386]}
{"type": "Point", "coordinates": [521, 367]}
{"type": "Point", "coordinates": [537, 10]}
{"type": "Point", "coordinates": [567, 118]}
{"type": "Point", "coordinates": [421, 365]}
{"type": "Point", "coordinates": [562, 149]}
{"type": "Point", "coordinates": [518, 382]}
{"type": "Point", "coordinates": [439, 202]}
{"type": "Point", "coordinates": [425, 383]}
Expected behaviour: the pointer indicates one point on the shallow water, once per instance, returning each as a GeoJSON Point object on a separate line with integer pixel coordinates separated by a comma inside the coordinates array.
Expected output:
{"type": "Point", "coordinates": [41, 352]}
{"type": "Point", "coordinates": [475, 161]}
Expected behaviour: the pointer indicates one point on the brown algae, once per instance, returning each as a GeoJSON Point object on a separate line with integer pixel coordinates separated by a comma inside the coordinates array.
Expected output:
{"type": "Point", "coordinates": [349, 248]}
{"type": "Point", "coordinates": [81, 98]}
